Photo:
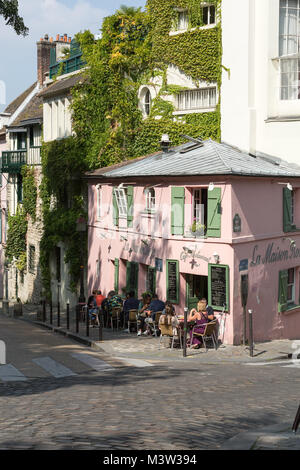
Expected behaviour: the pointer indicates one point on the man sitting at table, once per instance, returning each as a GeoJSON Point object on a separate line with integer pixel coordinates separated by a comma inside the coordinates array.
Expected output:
{"type": "Point", "coordinates": [156, 305]}
{"type": "Point", "coordinates": [131, 303]}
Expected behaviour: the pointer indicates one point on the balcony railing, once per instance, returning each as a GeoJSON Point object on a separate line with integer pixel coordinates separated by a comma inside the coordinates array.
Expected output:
{"type": "Point", "coordinates": [13, 160]}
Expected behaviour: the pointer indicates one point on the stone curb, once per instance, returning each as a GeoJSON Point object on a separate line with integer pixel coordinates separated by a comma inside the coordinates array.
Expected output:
{"type": "Point", "coordinates": [246, 440]}
{"type": "Point", "coordinates": [110, 350]}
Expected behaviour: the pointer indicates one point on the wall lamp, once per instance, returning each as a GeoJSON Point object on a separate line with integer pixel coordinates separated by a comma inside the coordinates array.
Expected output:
{"type": "Point", "coordinates": [187, 250]}
{"type": "Point", "coordinates": [292, 242]}
{"type": "Point", "coordinates": [288, 185]}
{"type": "Point", "coordinates": [211, 187]}
{"type": "Point", "coordinates": [216, 257]}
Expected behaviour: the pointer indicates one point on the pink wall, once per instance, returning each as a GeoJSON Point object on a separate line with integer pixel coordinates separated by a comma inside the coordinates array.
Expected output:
{"type": "Point", "coordinates": [258, 201]}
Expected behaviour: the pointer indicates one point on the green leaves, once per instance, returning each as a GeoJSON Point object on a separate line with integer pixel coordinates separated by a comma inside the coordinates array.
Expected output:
{"type": "Point", "coordinates": [16, 235]}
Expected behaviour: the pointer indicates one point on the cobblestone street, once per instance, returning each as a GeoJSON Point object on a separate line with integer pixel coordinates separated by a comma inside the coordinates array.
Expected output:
{"type": "Point", "coordinates": [168, 405]}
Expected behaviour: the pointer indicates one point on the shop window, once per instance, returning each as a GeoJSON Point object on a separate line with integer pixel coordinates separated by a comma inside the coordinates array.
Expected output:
{"type": "Point", "coordinates": [203, 98]}
{"type": "Point", "coordinates": [31, 259]}
{"type": "Point", "coordinates": [289, 46]}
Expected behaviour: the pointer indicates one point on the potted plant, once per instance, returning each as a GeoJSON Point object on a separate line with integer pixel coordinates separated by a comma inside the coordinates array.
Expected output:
{"type": "Point", "coordinates": [197, 229]}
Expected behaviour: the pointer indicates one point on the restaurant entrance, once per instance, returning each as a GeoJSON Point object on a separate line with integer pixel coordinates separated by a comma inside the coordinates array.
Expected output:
{"type": "Point", "coordinates": [196, 289]}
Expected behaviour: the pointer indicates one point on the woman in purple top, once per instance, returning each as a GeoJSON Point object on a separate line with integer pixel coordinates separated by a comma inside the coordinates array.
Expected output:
{"type": "Point", "coordinates": [201, 316]}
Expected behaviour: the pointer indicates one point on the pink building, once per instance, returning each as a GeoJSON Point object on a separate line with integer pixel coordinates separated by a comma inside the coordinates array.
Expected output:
{"type": "Point", "coordinates": [202, 220]}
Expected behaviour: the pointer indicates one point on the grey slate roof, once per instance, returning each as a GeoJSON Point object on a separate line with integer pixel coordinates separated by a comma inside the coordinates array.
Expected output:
{"type": "Point", "coordinates": [63, 85]}
{"type": "Point", "coordinates": [211, 159]}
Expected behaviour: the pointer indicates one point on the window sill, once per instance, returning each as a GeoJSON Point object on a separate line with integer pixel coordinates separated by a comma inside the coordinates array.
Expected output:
{"type": "Point", "coordinates": [194, 111]}
{"type": "Point", "coordinates": [188, 30]}
{"type": "Point", "coordinates": [291, 309]}
{"type": "Point", "coordinates": [283, 118]}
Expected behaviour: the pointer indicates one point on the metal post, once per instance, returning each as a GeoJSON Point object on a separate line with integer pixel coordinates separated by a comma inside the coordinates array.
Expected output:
{"type": "Point", "coordinates": [44, 311]}
{"type": "Point", "coordinates": [297, 421]}
{"type": "Point", "coordinates": [77, 318]}
{"type": "Point", "coordinates": [87, 323]}
{"type": "Point", "coordinates": [250, 333]}
{"type": "Point", "coordinates": [68, 316]}
{"type": "Point", "coordinates": [185, 330]}
{"type": "Point", "coordinates": [100, 318]}
{"type": "Point", "coordinates": [58, 314]}
{"type": "Point", "coordinates": [51, 313]}
{"type": "Point", "coordinates": [244, 326]}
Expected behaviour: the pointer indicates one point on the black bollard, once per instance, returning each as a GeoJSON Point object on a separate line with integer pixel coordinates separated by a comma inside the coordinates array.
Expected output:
{"type": "Point", "coordinates": [87, 323]}
{"type": "Point", "coordinates": [77, 318]}
{"type": "Point", "coordinates": [297, 421]}
{"type": "Point", "coordinates": [68, 316]}
{"type": "Point", "coordinates": [250, 333]}
{"type": "Point", "coordinates": [51, 313]}
{"type": "Point", "coordinates": [58, 314]}
{"type": "Point", "coordinates": [44, 311]}
{"type": "Point", "coordinates": [185, 331]}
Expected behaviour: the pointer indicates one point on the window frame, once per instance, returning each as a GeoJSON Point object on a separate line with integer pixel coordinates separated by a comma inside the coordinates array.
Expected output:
{"type": "Point", "coordinates": [194, 100]}
{"type": "Point", "coordinates": [291, 300]}
{"type": "Point", "coordinates": [150, 199]}
{"type": "Point", "coordinates": [121, 198]}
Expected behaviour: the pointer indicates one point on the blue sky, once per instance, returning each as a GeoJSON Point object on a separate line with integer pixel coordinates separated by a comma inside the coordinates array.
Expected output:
{"type": "Point", "coordinates": [18, 68]}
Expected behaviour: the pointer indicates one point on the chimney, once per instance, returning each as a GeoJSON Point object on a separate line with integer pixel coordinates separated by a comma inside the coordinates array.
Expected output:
{"type": "Point", "coordinates": [65, 38]}
{"type": "Point", "coordinates": [165, 143]}
{"type": "Point", "coordinates": [44, 47]}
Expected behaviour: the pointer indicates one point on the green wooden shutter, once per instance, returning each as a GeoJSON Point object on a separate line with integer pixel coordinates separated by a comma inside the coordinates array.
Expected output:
{"type": "Point", "coordinates": [177, 210]}
{"type": "Point", "coordinates": [287, 210]}
{"type": "Point", "coordinates": [214, 213]}
{"type": "Point", "coordinates": [132, 276]}
{"type": "Point", "coordinates": [116, 287]}
{"type": "Point", "coordinates": [282, 290]}
{"type": "Point", "coordinates": [115, 210]}
{"type": "Point", "coordinates": [130, 206]}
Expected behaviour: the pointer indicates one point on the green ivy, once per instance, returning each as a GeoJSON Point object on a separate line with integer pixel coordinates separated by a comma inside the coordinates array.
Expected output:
{"type": "Point", "coordinates": [29, 191]}
{"type": "Point", "coordinates": [16, 238]}
{"type": "Point", "coordinates": [63, 163]}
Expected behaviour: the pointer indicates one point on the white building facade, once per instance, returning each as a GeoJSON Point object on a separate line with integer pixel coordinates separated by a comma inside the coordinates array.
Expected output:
{"type": "Point", "coordinates": [260, 94]}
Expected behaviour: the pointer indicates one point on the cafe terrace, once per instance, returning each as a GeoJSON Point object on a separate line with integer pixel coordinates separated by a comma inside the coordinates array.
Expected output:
{"type": "Point", "coordinates": [194, 221]}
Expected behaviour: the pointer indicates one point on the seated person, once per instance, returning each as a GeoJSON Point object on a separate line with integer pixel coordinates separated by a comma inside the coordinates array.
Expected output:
{"type": "Point", "coordinates": [143, 307]}
{"type": "Point", "coordinates": [99, 298]}
{"type": "Point", "coordinates": [156, 305]}
{"type": "Point", "coordinates": [93, 309]}
{"type": "Point", "coordinates": [131, 303]}
{"type": "Point", "coordinates": [168, 317]}
{"type": "Point", "coordinates": [114, 300]}
{"type": "Point", "coordinates": [201, 317]}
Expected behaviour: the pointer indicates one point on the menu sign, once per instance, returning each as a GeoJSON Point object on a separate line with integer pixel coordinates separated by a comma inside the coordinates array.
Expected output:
{"type": "Point", "coordinates": [219, 286]}
{"type": "Point", "coordinates": [172, 281]}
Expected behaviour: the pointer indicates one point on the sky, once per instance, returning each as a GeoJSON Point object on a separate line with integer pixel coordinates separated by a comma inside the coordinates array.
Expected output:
{"type": "Point", "coordinates": [18, 69]}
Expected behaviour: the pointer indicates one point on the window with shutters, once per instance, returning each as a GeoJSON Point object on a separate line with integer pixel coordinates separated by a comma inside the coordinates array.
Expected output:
{"type": "Point", "coordinates": [123, 204]}
{"type": "Point", "coordinates": [288, 280]}
{"type": "Point", "coordinates": [150, 199]}
{"type": "Point", "coordinates": [132, 272]}
{"type": "Point", "coordinates": [291, 219]}
{"type": "Point", "coordinates": [199, 212]}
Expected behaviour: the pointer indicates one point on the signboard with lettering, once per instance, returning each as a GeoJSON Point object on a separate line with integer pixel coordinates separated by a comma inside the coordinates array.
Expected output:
{"type": "Point", "coordinates": [159, 264]}
{"type": "Point", "coordinates": [218, 286]}
{"type": "Point", "coordinates": [172, 281]}
{"type": "Point", "coordinates": [243, 265]}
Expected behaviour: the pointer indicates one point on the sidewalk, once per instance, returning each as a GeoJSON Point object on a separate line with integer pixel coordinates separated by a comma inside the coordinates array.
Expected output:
{"type": "Point", "coordinates": [275, 437]}
{"type": "Point", "coordinates": [119, 343]}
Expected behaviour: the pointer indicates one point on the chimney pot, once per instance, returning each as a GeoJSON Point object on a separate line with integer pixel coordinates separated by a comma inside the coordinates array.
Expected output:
{"type": "Point", "coordinates": [165, 143]}
{"type": "Point", "coordinates": [62, 38]}
{"type": "Point", "coordinates": [57, 37]}
{"type": "Point", "coordinates": [51, 39]}
{"type": "Point", "coordinates": [46, 37]}
{"type": "Point", "coordinates": [70, 39]}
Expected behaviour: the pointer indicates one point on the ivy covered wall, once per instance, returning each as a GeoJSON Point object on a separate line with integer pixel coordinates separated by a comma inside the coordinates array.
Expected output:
{"type": "Point", "coordinates": [109, 127]}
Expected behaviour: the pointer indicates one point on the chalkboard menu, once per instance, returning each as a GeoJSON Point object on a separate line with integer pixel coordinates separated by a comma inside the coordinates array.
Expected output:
{"type": "Point", "coordinates": [172, 281]}
{"type": "Point", "coordinates": [218, 286]}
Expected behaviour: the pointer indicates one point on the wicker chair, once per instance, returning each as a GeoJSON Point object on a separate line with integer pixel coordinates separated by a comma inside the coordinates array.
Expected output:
{"type": "Point", "coordinates": [115, 317]}
{"type": "Point", "coordinates": [166, 331]}
{"type": "Point", "coordinates": [132, 319]}
{"type": "Point", "coordinates": [208, 334]}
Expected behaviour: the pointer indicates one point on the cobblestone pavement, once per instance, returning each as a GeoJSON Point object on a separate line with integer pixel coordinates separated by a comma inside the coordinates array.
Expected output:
{"type": "Point", "coordinates": [170, 406]}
